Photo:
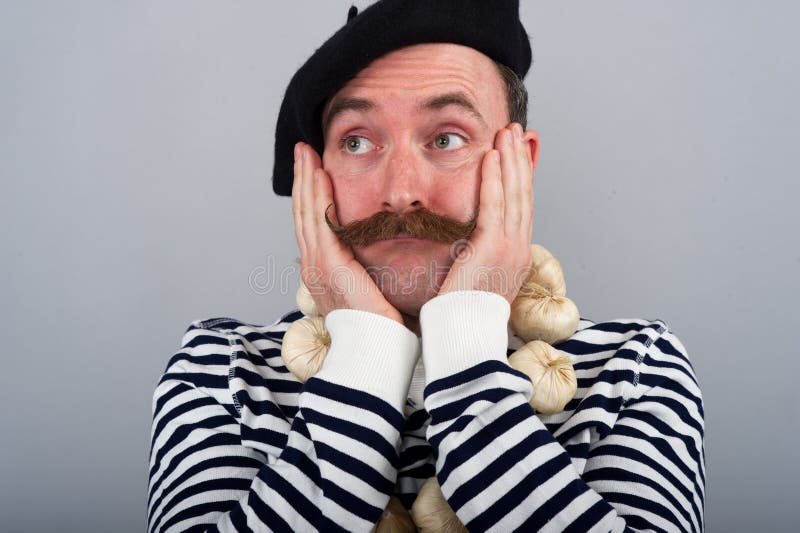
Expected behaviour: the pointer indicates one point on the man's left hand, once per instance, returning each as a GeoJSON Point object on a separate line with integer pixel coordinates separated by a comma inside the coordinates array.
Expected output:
{"type": "Point", "coordinates": [497, 256]}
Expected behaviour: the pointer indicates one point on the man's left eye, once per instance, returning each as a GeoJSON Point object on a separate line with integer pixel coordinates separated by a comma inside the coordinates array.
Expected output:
{"type": "Point", "coordinates": [448, 141]}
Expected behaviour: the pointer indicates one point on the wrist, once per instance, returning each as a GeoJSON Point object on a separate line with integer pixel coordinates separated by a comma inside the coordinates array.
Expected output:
{"type": "Point", "coordinates": [371, 353]}
{"type": "Point", "coordinates": [461, 329]}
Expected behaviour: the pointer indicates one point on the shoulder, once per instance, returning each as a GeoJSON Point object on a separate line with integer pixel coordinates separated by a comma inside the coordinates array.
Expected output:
{"type": "Point", "coordinates": [210, 349]}
{"type": "Point", "coordinates": [624, 358]}
{"type": "Point", "coordinates": [641, 342]}
{"type": "Point", "coordinates": [216, 336]}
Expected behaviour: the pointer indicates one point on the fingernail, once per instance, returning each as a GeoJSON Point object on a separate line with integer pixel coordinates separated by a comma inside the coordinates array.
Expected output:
{"type": "Point", "coordinates": [518, 131]}
{"type": "Point", "coordinates": [296, 151]}
{"type": "Point", "coordinates": [496, 156]}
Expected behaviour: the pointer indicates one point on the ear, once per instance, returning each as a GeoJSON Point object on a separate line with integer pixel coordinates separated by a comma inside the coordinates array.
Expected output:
{"type": "Point", "coordinates": [532, 138]}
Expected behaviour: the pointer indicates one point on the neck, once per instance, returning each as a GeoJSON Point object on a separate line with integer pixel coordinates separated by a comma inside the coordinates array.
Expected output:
{"type": "Point", "coordinates": [412, 323]}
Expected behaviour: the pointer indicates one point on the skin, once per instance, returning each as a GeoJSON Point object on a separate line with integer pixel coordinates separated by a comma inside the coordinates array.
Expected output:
{"type": "Point", "coordinates": [399, 155]}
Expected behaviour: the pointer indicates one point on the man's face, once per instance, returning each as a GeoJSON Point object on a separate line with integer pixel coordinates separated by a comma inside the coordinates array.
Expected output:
{"type": "Point", "coordinates": [409, 132]}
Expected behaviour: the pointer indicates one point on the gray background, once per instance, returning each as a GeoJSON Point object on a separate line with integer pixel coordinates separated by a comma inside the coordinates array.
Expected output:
{"type": "Point", "coordinates": [135, 150]}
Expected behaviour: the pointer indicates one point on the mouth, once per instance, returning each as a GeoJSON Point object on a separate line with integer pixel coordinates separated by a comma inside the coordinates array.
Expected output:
{"type": "Point", "coordinates": [401, 239]}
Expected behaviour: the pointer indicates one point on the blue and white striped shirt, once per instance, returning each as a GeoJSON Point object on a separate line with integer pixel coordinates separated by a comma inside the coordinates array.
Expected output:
{"type": "Point", "coordinates": [239, 444]}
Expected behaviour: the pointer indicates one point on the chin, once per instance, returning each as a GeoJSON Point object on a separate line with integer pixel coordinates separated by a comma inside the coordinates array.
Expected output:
{"type": "Point", "coordinates": [407, 275]}
{"type": "Point", "coordinates": [408, 298]}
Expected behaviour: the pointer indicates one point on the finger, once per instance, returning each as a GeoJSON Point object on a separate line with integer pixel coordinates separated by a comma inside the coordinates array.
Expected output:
{"type": "Point", "coordinates": [297, 201]}
{"type": "Point", "coordinates": [512, 189]}
{"type": "Point", "coordinates": [525, 173]}
{"type": "Point", "coordinates": [325, 203]}
{"type": "Point", "coordinates": [526, 182]}
{"type": "Point", "coordinates": [307, 211]}
{"type": "Point", "coordinates": [491, 213]}
{"type": "Point", "coordinates": [313, 157]}
{"type": "Point", "coordinates": [524, 160]}
{"type": "Point", "coordinates": [523, 157]}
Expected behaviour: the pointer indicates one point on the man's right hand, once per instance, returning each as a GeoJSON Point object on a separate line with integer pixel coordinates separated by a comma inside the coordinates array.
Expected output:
{"type": "Point", "coordinates": [329, 269]}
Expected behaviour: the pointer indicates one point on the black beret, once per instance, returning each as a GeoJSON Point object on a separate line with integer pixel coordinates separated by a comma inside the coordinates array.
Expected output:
{"type": "Point", "coordinates": [490, 26]}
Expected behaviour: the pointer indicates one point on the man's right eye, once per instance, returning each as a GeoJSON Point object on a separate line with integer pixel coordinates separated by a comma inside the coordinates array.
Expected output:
{"type": "Point", "coordinates": [356, 144]}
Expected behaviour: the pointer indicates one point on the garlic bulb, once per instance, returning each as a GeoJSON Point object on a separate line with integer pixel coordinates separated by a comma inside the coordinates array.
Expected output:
{"type": "Point", "coordinates": [545, 271]}
{"type": "Point", "coordinates": [540, 315]}
{"type": "Point", "coordinates": [395, 519]}
{"type": "Point", "coordinates": [305, 345]}
{"type": "Point", "coordinates": [305, 302]}
{"type": "Point", "coordinates": [551, 372]}
{"type": "Point", "coordinates": [432, 513]}
{"type": "Point", "coordinates": [541, 309]}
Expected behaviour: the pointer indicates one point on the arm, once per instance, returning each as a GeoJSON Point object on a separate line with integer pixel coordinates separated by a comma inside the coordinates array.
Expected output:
{"type": "Point", "coordinates": [330, 468]}
{"type": "Point", "coordinates": [501, 469]}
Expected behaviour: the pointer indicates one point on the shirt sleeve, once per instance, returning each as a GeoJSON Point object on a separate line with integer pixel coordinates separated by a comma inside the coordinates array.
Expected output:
{"type": "Point", "coordinates": [502, 470]}
{"type": "Point", "coordinates": [331, 467]}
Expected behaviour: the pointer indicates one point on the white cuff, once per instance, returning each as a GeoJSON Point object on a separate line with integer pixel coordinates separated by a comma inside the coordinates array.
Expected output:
{"type": "Point", "coordinates": [461, 329]}
{"type": "Point", "coordinates": [371, 353]}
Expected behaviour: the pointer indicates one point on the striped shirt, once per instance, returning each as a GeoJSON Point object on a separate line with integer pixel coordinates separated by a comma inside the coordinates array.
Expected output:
{"type": "Point", "coordinates": [239, 444]}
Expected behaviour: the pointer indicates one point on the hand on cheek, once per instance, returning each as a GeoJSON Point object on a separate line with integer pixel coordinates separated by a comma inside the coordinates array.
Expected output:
{"type": "Point", "coordinates": [335, 279]}
{"type": "Point", "coordinates": [497, 256]}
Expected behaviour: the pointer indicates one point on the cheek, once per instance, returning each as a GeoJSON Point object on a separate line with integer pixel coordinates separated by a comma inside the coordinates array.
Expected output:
{"type": "Point", "coordinates": [345, 197]}
{"type": "Point", "coordinates": [353, 203]}
{"type": "Point", "coordinates": [458, 191]}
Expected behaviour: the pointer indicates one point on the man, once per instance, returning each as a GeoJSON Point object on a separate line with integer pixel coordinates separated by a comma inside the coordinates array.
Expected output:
{"type": "Point", "coordinates": [423, 186]}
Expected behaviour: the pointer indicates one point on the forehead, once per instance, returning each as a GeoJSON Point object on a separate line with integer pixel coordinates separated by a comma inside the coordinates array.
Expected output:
{"type": "Point", "coordinates": [417, 73]}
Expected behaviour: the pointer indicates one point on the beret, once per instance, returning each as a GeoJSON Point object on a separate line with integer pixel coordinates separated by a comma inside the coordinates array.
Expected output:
{"type": "Point", "coordinates": [489, 26]}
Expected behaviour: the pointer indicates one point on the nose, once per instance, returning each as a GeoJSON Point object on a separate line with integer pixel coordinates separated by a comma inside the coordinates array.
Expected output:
{"type": "Point", "coordinates": [405, 185]}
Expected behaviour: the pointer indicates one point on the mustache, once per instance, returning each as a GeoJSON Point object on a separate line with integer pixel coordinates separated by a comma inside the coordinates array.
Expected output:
{"type": "Point", "coordinates": [421, 223]}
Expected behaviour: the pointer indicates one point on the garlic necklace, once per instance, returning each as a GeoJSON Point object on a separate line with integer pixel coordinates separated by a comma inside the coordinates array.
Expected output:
{"type": "Point", "coordinates": [542, 315]}
{"type": "Point", "coordinates": [305, 345]}
{"type": "Point", "coordinates": [554, 379]}
{"type": "Point", "coordinates": [305, 302]}
{"type": "Point", "coordinates": [432, 513]}
{"type": "Point", "coordinates": [306, 341]}
{"type": "Point", "coordinates": [395, 519]}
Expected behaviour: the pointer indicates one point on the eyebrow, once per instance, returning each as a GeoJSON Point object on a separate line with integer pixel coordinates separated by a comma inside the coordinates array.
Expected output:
{"type": "Point", "coordinates": [345, 104]}
{"type": "Point", "coordinates": [458, 99]}
{"type": "Point", "coordinates": [436, 103]}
